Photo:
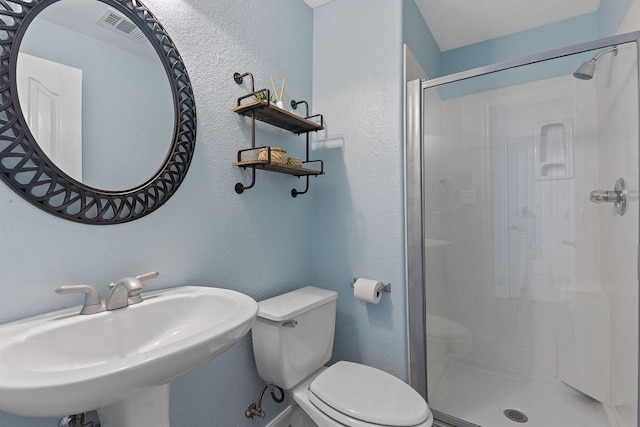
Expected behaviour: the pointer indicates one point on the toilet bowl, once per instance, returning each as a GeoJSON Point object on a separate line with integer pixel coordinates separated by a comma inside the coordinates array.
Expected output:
{"type": "Point", "coordinates": [350, 394]}
{"type": "Point", "coordinates": [293, 339]}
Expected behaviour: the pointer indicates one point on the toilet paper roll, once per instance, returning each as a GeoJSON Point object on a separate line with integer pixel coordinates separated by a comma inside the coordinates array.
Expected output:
{"type": "Point", "coordinates": [367, 290]}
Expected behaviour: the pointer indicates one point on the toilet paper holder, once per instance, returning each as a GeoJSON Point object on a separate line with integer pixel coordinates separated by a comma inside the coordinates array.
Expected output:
{"type": "Point", "coordinates": [386, 287]}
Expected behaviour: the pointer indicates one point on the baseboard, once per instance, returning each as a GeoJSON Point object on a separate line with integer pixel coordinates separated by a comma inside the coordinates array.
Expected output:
{"type": "Point", "coordinates": [283, 419]}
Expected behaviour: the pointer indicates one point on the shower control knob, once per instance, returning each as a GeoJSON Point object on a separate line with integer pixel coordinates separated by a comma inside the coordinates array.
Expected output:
{"type": "Point", "coordinates": [602, 196]}
{"type": "Point", "coordinates": [618, 196]}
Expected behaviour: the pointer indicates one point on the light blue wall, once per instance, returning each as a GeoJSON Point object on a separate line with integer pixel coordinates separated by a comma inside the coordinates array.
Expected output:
{"type": "Point", "coordinates": [540, 39]}
{"type": "Point", "coordinates": [416, 34]}
{"type": "Point", "coordinates": [591, 26]}
{"type": "Point", "coordinates": [358, 206]}
{"type": "Point", "coordinates": [257, 243]}
{"type": "Point", "coordinates": [603, 23]}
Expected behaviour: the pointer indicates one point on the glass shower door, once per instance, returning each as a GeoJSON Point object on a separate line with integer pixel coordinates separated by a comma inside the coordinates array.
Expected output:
{"type": "Point", "coordinates": [531, 265]}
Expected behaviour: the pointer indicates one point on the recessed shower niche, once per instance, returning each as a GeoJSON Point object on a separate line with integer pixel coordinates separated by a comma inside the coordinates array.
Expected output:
{"type": "Point", "coordinates": [554, 149]}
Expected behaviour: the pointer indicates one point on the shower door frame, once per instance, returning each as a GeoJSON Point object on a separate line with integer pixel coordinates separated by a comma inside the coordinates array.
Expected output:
{"type": "Point", "coordinates": [415, 197]}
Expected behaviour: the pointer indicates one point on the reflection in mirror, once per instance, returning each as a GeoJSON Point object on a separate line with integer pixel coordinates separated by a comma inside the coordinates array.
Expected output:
{"type": "Point", "coordinates": [95, 95]}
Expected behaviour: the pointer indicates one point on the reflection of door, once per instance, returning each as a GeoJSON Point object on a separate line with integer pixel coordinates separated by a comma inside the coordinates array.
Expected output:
{"type": "Point", "coordinates": [534, 191]}
{"type": "Point", "coordinates": [520, 214]}
{"type": "Point", "coordinates": [539, 213]}
{"type": "Point", "coordinates": [50, 97]}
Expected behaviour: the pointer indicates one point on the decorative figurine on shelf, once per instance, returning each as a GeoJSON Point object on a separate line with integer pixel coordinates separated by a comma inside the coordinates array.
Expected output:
{"type": "Point", "coordinates": [280, 97]}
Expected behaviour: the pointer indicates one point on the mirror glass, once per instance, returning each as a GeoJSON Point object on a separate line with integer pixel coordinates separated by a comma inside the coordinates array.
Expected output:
{"type": "Point", "coordinates": [95, 95]}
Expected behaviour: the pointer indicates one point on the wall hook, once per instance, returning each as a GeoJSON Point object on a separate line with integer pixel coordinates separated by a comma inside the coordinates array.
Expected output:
{"type": "Point", "coordinates": [241, 187]}
{"type": "Point", "coordinates": [295, 193]}
{"type": "Point", "coordinates": [238, 78]}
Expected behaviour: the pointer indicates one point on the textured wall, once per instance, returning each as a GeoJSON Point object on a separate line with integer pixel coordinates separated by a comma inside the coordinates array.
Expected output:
{"type": "Point", "coordinates": [358, 207]}
{"type": "Point", "coordinates": [257, 243]}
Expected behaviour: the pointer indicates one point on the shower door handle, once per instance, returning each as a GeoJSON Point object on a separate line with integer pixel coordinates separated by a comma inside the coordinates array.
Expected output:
{"type": "Point", "coordinates": [618, 196]}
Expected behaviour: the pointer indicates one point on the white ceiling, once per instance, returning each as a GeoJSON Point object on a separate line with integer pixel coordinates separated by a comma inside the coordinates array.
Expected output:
{"type": "Point", "coordinates": [456, 23]}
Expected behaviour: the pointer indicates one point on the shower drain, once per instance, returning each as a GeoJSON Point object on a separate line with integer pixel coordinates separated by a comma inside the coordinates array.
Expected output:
{"type": "Point", "coordinates": [515, 415]}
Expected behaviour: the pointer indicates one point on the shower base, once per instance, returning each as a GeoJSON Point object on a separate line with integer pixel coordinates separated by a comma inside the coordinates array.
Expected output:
{"type": "Point", "coordinates": [485, 395]}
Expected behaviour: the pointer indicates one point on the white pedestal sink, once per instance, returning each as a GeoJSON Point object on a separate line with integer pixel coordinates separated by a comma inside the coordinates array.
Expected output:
{"type": "Point", "coordinates": [119, 362]}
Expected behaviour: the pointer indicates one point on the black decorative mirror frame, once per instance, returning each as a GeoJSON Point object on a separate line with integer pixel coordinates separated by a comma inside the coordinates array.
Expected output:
{"type": "Point", "coordinates": [29, 172]}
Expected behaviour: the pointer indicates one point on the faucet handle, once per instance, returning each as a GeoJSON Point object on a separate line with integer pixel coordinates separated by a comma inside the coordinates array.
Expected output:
{"type": "Point", "coordinates": [132, 282]}
{"type": "Point", "coordinates": [92, 303]}
{"type": "Point", "coordinates": [148, 276]}
{"type": "Point", "coordinates": [138, 285]}
{"type": "Point", "coordinates": [135, 285]}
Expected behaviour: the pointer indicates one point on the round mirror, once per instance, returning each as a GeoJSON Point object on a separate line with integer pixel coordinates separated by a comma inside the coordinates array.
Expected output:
{"type": "Point", "coordinates": [95, 94]}
{"type": "Point", "coordinates": [105, 134]}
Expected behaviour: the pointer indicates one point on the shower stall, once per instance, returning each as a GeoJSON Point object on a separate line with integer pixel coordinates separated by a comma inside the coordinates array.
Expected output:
{"type": "Point", "coordinates": [522, 239]}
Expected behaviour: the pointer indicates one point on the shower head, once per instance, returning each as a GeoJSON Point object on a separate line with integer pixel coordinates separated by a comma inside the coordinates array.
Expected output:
{"type": "Point", "coordinates": [588, 68]}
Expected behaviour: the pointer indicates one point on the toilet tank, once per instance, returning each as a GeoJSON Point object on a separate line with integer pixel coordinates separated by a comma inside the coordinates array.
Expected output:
{"type": "Point", "coordinates": [293, 335]}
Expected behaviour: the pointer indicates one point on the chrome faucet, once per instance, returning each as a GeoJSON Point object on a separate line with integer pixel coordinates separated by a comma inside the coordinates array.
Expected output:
{"type": "Point", "coordinates": [124, 292]}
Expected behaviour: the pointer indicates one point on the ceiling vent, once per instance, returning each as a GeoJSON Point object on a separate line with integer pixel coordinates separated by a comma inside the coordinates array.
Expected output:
{"type": "Point", "coordinates": [121, 25]}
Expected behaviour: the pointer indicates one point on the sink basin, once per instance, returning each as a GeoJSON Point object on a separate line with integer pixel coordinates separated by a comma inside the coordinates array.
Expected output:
{"type": "Point", "coordinates": [119, 361]}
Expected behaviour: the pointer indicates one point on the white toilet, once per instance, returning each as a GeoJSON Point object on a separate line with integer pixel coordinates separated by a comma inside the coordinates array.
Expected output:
{"type": "Point", "coordinates": [293, 339]}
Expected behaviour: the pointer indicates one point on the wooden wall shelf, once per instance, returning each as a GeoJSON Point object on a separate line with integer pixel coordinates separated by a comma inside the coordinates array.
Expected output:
{"type": "Point", "coordinates": [267, 112]}
{"type": "Point", "coordinates": [277, 167]}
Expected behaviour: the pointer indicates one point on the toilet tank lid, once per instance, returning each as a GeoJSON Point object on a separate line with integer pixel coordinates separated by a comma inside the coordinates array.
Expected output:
{"type": "Point", "coordinates": [291, 304]}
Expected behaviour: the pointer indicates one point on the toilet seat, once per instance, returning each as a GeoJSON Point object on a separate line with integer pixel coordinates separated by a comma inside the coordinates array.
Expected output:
{"type": "Point", "coordinates": [356, 395]}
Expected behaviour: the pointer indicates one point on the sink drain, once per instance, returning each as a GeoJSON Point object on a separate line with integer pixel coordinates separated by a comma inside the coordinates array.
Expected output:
{"type": "Point", "coordinates": [515, 415]}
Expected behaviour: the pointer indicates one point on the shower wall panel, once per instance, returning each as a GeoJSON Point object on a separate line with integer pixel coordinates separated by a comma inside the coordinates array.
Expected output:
{"type": "Point", "coordinates": [617, 85]}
